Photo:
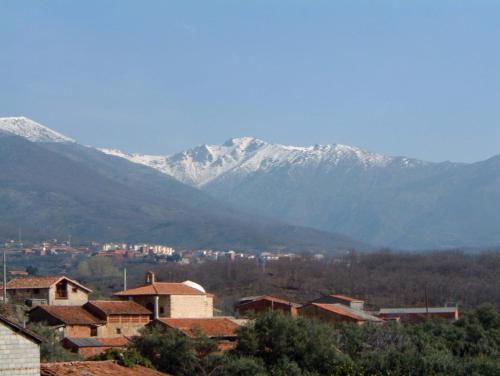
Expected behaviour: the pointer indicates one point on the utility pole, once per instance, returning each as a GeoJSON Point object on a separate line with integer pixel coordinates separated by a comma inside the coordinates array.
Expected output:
{"type": "Point", "coordinates": [4, 276]}
{"type": "Point", "coordinates": [426, 302]}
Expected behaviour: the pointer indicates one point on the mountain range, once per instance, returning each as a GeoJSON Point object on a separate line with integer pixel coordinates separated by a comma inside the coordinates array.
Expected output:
{"type": "Point", "coordinates": [247, 192]}
{"type": "Point", "coordinates": [52, 186]}
{"type": "Point", "coordinates": [388, 201]}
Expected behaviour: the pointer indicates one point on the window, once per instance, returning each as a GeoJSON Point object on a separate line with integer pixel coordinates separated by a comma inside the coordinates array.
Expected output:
{"type": "Point", "coordinates": [62, 290]}
{"type": "Point", "coordinates": [36, 291]}
{"type": "Point", "coordinates": [118, 331]}
{"type": "Point", "coordinates": [75, 289]}
{"type": "Point", "coordinates": [93, 331]}
{"type": "Point", "coordinates": [162, 311]}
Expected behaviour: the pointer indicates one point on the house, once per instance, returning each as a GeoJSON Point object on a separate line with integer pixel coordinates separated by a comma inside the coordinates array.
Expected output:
{"type": "Point", "coordinates": [19, 350]}
{"type": "Point", "coordinates": [221, 329]}
{"type": "Point", "coordinates": [97, 318]}
{"type": "Point", "coordinates": [120, 317]}
{"type": "Point", "coordinates": [165, 299]}
{"type": "Point", "coordinates": [215, 327]}
{"type": "Point", "coordinates": [88, 347]}
{"type": "Point", "coordinates": [419, 314]}
{"type": "Point", "coordinates": [333, 313]}
{"type": "Point", "coordinates": [341, 299]}
{"type": "Point", "coordinates": [68, 321]}
{"type": "Point", "coordinates": [265, 303]}
{"type": "Point", "coordinates": [55, 290]}
{"type": "Point", "coordinates": [101, 368]}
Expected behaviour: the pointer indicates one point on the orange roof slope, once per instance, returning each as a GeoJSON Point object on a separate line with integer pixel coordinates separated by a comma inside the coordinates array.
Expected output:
{"type": "Point", "coordinates": [70, 315]}
{"type": "Point", "coordinates": [211, 327]}
{"type": "Point", "coordinates": [342, 310]}
{"type": "Point", "coordinates": [161, 288]}
{"type": "Point", "coordinates": [40, 282]}
{"type": "Point", "coordinates": [102, 368]}
{"type": "Point", "coordinates": [119, 307]}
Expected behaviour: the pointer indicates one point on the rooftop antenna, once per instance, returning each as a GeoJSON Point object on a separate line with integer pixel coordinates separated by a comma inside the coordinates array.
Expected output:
{"type": "Point", "coordinates": [124, 279]}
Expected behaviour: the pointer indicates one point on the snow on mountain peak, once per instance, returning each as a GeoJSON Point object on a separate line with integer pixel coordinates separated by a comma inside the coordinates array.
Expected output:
{"type": "Point", "coordinates": [31, 130]}
{"type": "Point", "coordinates": [205, 163]}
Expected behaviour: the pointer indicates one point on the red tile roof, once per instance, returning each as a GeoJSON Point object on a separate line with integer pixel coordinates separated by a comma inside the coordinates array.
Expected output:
{"type": "Point", "coordinates": [69, 315]}
{"type": "Point", "coordinates": [102, 368]}
{"type": "Point", "coordinates": [40, 282]}
{"type": "Point", "coordinates": [118, 307]}
{"type": "Point", "coordinates": [342, 310]}
{"type": "Point", "coordinates": [212, 327]}
{"type": "Point", "coordinates": [161, 288]}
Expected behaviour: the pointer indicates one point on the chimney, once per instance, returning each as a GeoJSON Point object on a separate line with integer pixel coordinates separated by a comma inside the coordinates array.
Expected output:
{"type": "Point", "coordinates": [150, 278]}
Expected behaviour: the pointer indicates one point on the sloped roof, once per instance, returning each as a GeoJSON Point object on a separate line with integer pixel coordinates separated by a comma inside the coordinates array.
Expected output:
{"type": "Point", "coordinates": [118, 307]}
{"type": "Point", "coordinates": [40, 283]}
{"type": "Point", "coordinates": [120, 341]}
{"type": "Point", "coordinates": [418, 310]}
{"type": "Point", "coordinates": [214, 327]}
{"type": "Point", "coordinates": [161, 288]}
{"type": "Point", "coordinates": [100, 368]}
{"type": "Point", "coordinates": [23, 331]}
{"type": "Point", "coordinates": [342, 310]}
{"type": "Point", "coordinates": [251, 299]}
{"type": "Point", "coordinates": [70, 315]}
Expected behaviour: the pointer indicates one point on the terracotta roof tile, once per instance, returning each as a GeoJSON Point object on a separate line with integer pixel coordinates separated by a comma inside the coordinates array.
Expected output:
{"type": "Point", "coordinates": [40, 282]}
{"type": "Point", "coordinates": [70, 315]}
{"type": "Point", "coordinates": [118, 307]}
{"type": "Point", "coordinates": [161, 288]}
{"type": "Point", "coordinates": [102, 368]}
{"type": "Point", "coordinates": [211, 327]}
{"type": "Point", "coordinates": [342, 310]}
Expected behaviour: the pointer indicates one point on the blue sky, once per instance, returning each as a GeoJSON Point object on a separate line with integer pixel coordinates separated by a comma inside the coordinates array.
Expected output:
{"type": "Point", "coordinates": [419, 78]}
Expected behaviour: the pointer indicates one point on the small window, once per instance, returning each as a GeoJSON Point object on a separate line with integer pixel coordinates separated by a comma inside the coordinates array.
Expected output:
{"type": "Point", "coordinates": [93, 331]}
{"type": "Point", "coordinates": [118, 331]}
{"type": "Point", "coordinates": [162, 311]}
{"type": "Point", "coordinates": [75, 289]}
{"type": "Point", "coordinates": [36, 291]}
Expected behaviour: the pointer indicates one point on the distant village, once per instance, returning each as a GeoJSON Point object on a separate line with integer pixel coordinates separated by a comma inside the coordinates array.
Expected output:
{"type": "Point", "coordinates": [89, 327]}
{"type": "Point", "coordinates": [151, 252]}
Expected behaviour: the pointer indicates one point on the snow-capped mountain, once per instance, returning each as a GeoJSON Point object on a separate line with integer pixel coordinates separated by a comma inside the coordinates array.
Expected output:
{"type": "Point", "coordinates": [378, 199]}
{"type": "Point", "coordinates": [31, 130]}
{"type": "Point", "coordinates": [245, 155]}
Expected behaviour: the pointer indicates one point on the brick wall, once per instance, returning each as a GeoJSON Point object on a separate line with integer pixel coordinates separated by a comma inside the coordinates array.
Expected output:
{"type": "Point", "coordinates": [18, 355]}
{"type": "Point", "coordinates": [77, 331]}
{"type": "Point", "coordinates": [128, 325]}
{"type": "Point", "coordinates": [192, 306]}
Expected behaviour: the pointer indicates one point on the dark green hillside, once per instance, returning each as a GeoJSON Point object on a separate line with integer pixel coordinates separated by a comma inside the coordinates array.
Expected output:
{"type": "Point", "coordinates": [52, 190]}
